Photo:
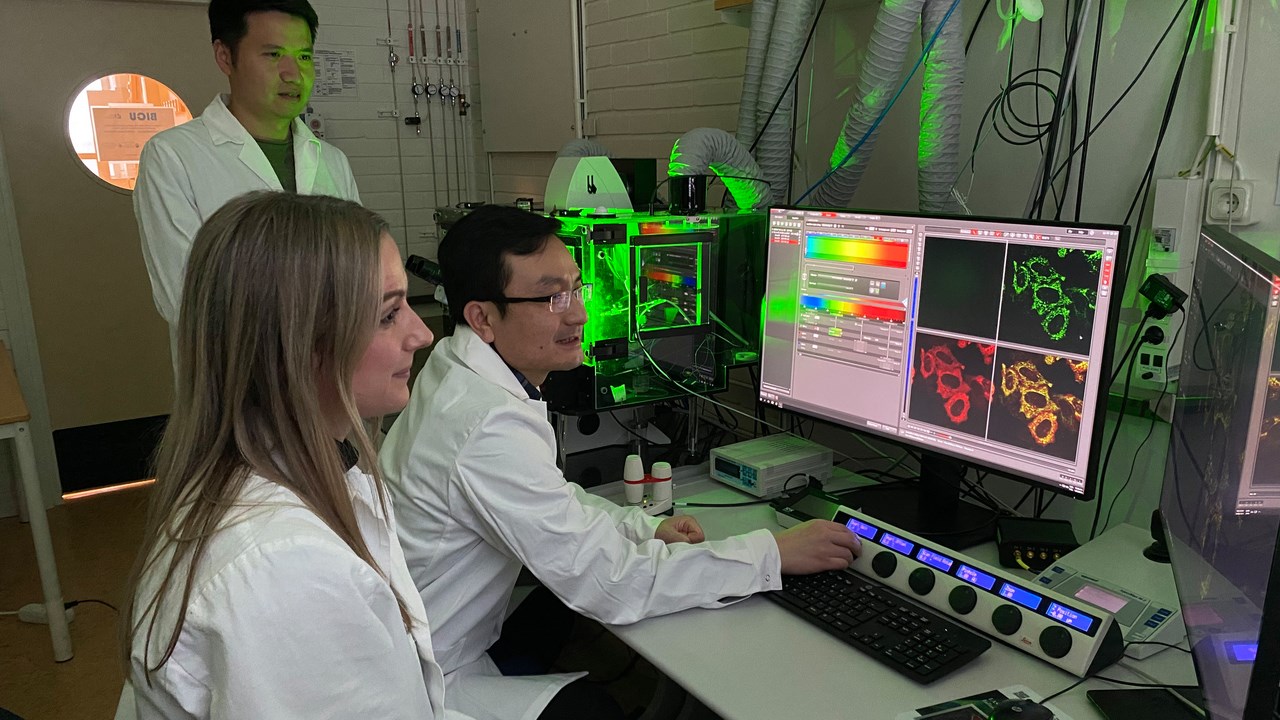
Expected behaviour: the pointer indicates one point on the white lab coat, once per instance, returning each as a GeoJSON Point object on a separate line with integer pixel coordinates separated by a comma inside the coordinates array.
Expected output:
{"type": "Point", "coordinates": [285, 621]}
{"type": "Point", "coordinates": [188, 172]}
{"type": "Point", "coordinates": [471, 467]}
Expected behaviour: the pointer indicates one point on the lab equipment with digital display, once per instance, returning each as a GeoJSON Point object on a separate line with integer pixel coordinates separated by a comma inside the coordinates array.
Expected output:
{"type": "Point", "coordinates": [651, 334]}
{"type": "Point", "coordinates": [770, 465]}
{"type": "Point", "coordinates": [938, 589]}
{"type": "Point", "coordinates": [980, 342]}
{"type": "Point", "coordinates": [1111, 574]}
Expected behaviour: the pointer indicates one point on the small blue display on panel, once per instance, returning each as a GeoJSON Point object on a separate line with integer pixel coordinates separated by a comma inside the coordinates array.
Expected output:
{"type": "Point", "coordinates": [1020, 596]}
{"type": "Point", "coordinates": [939, 561]}
{"type": "Point", "coordinates": [976, 577]}
{"type": "Point", "coordinates": [861, 528]}
{"type": "Point", "coordinates": [1067, 616]}
{"type": "Point", "coordinates": [896, 543]}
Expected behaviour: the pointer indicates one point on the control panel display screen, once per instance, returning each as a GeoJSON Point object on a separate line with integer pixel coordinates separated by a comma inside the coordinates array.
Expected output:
{"type": "Point", "coordinates": [861, 528]}
{"type": "Point", "coordinates": [1098, 597]}
{"type": "Point", "coordinates": [1022, 597]}
{"type": "Point", "coordinates": [933, 559]}
{"type": "Point", "coordinates": [1242, 652]}
{"type": "Point", "coordinates": [1069, 617]}
{"type": "Point", "coordinates": [724, 467]}
{"type": "Point", "coordinates": [976, 577]}
{"type": "Point", "coordinates": [894, 542]}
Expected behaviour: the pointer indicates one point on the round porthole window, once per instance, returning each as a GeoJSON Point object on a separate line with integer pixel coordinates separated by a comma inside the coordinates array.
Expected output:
{"type": "Point", "coordinates": [113, 117]}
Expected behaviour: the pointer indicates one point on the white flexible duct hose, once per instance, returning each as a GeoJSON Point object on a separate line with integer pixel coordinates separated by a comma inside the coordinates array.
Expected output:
{"type": "Point", "coordinates": [583, 148]}
{"type": "Point", "coordinates": [704, 150]}
{"type": "Point", "coordinates": [762, 12]}
{"type": "Point", "coordinates": [790, 25]}
{"type": "Point", "coordinates": [941, 98]}
{"type": "Point", "coordinates": [881, 71]}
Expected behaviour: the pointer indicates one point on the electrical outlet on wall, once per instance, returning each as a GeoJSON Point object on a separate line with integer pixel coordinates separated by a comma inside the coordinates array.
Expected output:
{"type": "Point", "coordinates": [1231, 201]}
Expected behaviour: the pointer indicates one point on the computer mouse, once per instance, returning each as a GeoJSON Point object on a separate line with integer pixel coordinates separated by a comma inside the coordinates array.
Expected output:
{"type": "Point", "coordinates": [1020, 710]}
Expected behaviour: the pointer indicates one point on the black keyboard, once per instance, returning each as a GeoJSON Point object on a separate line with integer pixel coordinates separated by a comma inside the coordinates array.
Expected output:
{"type": "Point", "coordinates": [912, 639]}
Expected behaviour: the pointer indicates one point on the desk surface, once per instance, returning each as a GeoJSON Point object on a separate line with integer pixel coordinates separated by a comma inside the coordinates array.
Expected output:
{"type": "Point", "coordinates": [757, 660]}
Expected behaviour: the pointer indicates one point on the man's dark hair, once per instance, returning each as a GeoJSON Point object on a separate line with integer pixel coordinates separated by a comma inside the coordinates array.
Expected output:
{"type": "Point", "coordinates": [229, 19]}
{"type": "Point", "coordinates": [473, 254]}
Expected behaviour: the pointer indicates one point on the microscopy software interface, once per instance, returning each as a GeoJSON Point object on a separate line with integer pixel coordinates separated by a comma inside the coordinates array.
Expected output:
{"type": "Point", "coordinates": [981, 339]}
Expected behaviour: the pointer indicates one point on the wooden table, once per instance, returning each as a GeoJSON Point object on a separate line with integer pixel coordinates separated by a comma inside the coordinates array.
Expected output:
{"type": "Point", "coordinates": [14, 418]}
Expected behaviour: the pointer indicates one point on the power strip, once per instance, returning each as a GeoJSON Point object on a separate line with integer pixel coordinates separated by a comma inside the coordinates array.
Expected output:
{"type": "Point", "coordinates": [35, 614]}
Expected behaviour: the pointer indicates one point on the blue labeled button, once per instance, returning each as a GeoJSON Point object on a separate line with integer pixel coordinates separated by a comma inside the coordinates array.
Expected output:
{"type": "Point", "coordinates": [1152, 623]}
{"type": "Point", "coordinates": [1164, 612]}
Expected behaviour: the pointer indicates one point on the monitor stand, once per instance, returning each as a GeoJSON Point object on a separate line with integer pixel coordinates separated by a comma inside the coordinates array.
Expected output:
{"type": "Point", "coordinates": [930, 508]}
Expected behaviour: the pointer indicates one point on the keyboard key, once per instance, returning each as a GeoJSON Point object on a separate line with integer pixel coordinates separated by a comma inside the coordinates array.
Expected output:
{"type": "Point", "coordinates": [881, 622]}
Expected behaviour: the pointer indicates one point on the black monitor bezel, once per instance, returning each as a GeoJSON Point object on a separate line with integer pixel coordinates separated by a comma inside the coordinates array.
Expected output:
{"type": "Point", "coordinates": [1119, 279]}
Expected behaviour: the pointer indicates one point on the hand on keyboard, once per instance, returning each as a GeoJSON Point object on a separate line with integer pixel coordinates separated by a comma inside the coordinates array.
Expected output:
{"type": "Point", "coordinates": [816, 546]}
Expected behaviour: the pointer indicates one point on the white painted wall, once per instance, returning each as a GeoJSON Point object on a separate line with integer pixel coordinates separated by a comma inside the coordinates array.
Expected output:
{"type": "Point", "coordinates": [1255, 137]}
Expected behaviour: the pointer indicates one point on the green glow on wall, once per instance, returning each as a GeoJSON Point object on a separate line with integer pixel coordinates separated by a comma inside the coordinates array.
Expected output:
{"type": "Point", "coordinates": [930, 143]}
{"type": "Point", "coordinates": [1115, 16]}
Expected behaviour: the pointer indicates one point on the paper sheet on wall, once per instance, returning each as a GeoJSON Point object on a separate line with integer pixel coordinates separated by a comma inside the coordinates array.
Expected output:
{"type": "Point", "coordinates": [335, 74]}
{"type": "Point", "coordinates": [977, 707]}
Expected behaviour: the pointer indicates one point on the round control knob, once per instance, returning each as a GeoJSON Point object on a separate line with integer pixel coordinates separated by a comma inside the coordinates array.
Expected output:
{"type": "Point", "coordinates": [884, 563]}
{"type": "Point", "coordinates": [963, 599]}
{"type": "Point", "coordinates": [1007, 619]}
{"type": "Point", "coordinates": [921, 580]}
{"type": "Point", "coordinates": [1055, 642]}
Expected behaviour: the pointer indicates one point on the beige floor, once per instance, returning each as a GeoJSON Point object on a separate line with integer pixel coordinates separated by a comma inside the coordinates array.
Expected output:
{"type": "Point", "coordinates": [95, 540]}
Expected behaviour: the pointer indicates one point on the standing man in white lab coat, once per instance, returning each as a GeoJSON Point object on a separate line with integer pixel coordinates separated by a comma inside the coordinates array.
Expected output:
{"type": "Point", "coordinates": [471, 466]}
{"type": "Point", "coordinates": [250, 139]}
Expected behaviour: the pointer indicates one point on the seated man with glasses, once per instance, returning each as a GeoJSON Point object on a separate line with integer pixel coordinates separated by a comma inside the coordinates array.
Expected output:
{"type": "Point", "coordinates": [471, 467]}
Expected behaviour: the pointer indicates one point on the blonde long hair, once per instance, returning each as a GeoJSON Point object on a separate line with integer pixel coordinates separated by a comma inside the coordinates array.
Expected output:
{"type": "Point", "coordinates": [281, 297]}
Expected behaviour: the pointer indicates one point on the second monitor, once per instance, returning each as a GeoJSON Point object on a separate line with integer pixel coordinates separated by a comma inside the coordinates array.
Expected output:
{"type": "Point", "coordinates": [978, 341]}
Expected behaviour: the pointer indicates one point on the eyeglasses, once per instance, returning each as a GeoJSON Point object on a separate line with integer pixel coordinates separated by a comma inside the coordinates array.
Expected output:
{"type": "Point", "coordinates": [556, 303]}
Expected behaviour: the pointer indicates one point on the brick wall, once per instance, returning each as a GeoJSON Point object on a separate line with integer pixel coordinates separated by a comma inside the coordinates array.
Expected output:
{"type": "Point", "coordinates": [654, 70]}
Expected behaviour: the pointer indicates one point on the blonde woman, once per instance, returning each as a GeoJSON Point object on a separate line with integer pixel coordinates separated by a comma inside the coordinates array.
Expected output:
{"type": "Point", "coordinates": [271, 583]}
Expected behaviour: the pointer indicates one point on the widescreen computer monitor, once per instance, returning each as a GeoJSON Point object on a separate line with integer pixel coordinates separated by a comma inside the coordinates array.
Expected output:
{"type": "Point", "coordinates": [986, 342]}
{"type": "Point", "coordinates": [1219, 500]}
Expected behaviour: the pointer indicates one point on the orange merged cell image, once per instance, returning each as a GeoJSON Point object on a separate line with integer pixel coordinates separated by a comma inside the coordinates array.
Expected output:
{"type": "Point", "coordinates": [1041, 401]}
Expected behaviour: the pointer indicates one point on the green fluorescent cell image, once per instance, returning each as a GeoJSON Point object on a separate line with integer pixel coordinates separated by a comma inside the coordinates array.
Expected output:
{"type": "Point", "coordinates": [1050, 298]}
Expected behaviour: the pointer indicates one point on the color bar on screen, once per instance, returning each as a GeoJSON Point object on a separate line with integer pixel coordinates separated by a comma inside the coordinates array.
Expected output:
{"type": "Point", "coordinates": [866, 310]}
{"type": "Point", "coordinates": [863, 251]}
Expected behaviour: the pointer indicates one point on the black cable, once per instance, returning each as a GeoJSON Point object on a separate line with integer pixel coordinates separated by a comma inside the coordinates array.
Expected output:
{"type": "Point", "coordinates": [794, 73]}
{"type": "Point", "coordinates": [1088, 112]}
{"type": "Point", "coordinates": [1045, 509]}
{"type": "Point", "coordinates": [1144, 188]}
{"type": "Point", "coordinates": [1115, 433]}
{"type": "Point", "coordinates": [633, 433]}
{"type": "Point", "coordinates": [1114, 681]}
{"type": "Point", "coordinates": [1161, 644]}
{"type": "Point", "coordinates": [974, 30]}
{"type": "Point", "coordinates": [1059, 110]}
{"type": "Point", "coordinates": [808, 478]}
{"type": "Point", "coordinates": [1133, 83]}
{"type": "Point", "coordinates": [1164, 390]}
{"type": "Point", "coordinates": [1060, 199]}
{"type": "Point", "coordinates": [1027, 494]}
{"type": "Point", "coordinates": [93, 601]}
{"type": "Point", "coordinates": [1137, 338]}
